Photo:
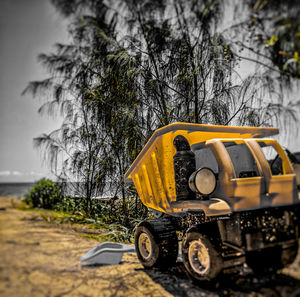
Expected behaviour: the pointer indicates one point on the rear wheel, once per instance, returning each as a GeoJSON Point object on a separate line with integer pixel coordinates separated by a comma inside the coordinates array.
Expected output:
{"type": "Point", "coordinates": [145, 245]}
{"type": "Point", "coordinates": [289, 254]}
{"type": "Point", "coordinates": [200, 257]}
{"type": "Point", "coordinates": [155, 245]}
{"type": "Point", "coordinates": [271, 259]}
{"type": "Point", "coordinates": [263, 261]}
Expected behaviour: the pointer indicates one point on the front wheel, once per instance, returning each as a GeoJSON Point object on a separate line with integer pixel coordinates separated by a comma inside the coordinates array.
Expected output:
{"type": "Point", "coordinates": [200, 257]}
{"type": "Point", "coordinates": [153, 248]}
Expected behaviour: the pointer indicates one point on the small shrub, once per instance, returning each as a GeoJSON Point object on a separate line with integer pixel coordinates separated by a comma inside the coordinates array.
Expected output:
{"type": "Point", "coordinates": [44, 194]}
{"type": "Point", "coordinates": [118, 216]}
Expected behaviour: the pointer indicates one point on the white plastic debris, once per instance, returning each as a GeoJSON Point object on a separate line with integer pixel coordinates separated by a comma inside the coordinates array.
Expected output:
{"type": "Point", "coordinates": [109, 253]}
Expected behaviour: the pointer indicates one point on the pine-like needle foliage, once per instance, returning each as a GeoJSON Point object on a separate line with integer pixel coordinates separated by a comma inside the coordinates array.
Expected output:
{"type": "Point", "coordinates": [132, 67]}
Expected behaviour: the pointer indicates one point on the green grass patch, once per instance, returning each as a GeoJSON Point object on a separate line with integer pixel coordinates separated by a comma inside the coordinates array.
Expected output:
{"type": "Point", "coordinates": [109, 232]}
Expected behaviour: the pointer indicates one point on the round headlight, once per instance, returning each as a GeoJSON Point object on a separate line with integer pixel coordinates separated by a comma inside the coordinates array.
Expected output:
{"type": "Point", "coordinates": [203, 181]}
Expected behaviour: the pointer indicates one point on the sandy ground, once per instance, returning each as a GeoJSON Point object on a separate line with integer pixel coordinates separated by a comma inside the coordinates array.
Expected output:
{"type": "Point", "coordinates": [40, 259]}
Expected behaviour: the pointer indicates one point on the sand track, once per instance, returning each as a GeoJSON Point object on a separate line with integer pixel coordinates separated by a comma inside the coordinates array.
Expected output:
{"type": "Point", "coordinates": [39, 259]}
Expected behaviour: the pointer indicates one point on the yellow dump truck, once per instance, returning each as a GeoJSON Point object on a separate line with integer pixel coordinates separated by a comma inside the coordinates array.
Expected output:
{"type": "Point", "coordinates": [230, 190]}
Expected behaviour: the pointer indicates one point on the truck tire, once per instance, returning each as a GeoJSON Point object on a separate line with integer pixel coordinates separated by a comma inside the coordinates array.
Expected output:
{"type": "Point", "coordinates": [266, 260]}
{"type": "Point", "coordinates": [289, 254]}
{"type": "Point", "coordinates": [200, 257]}
{"type": "Point", "coordinates": [155, 244]}
{"type": "Point", "coordinates": [271, 259]}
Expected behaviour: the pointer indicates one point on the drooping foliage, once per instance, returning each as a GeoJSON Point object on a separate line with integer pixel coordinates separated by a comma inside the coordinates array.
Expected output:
{"type": "Point", "coordinates": [265, 38]}
{"type": "Point", "coordinates": [131, 67]}
{"type": "Point", "coordinates": [271, 31]}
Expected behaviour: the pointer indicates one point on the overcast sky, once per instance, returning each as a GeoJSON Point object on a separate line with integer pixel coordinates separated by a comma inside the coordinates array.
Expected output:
{"type": "Point", "coordinates": [27, 28]}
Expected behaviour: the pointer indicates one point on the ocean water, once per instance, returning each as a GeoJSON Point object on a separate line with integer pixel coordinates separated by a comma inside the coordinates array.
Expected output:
{"type": "Point", "coordinates": [20, 189]}
{"type": "Point", "coordinates": [15, 189]}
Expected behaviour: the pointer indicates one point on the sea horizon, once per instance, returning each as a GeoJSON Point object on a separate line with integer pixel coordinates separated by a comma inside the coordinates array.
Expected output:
{"type": "Point", "coordinates": [15, 188]}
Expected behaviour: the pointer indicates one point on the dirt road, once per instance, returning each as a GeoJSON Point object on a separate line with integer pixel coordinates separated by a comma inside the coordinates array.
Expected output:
{"type": "Point", "coordinates": [39, 259]}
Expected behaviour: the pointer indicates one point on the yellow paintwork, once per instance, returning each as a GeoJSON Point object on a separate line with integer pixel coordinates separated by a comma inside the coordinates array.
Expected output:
{"type": "Point", "coordinates": [153, 172]}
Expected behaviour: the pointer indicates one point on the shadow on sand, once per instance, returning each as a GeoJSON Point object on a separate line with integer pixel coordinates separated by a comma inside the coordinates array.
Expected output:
{"type": "Point", "coordinates": [177, 283]}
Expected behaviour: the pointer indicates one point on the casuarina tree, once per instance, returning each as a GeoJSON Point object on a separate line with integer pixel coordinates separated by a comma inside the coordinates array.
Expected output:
{"type": "Point", "coordinates": [130, 68]}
